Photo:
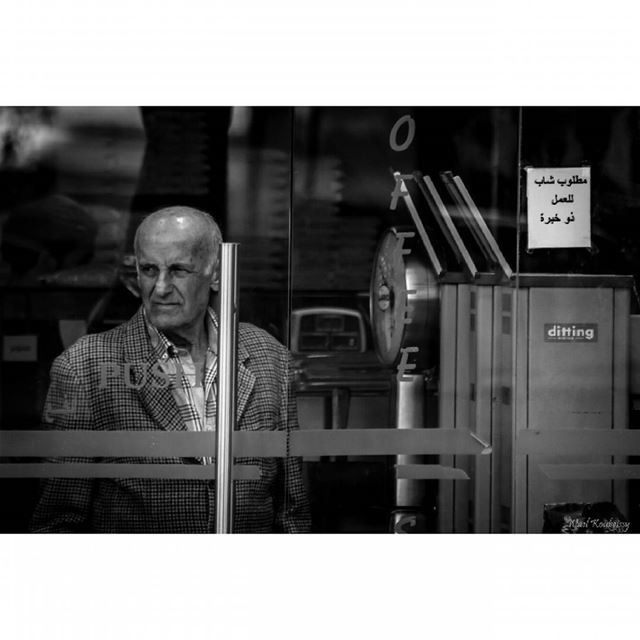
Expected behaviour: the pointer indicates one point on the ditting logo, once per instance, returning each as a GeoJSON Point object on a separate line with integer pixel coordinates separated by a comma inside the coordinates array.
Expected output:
{"type": "Point", "coordinates": [568, 332]}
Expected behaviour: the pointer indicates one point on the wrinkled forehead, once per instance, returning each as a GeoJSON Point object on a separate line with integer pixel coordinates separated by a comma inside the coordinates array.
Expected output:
{"type": "Point", "coordinates": [170, 246]}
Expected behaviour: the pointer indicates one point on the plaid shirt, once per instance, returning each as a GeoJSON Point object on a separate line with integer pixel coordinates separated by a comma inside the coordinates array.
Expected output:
{"type": "Point", "coordinates": [275, 502]}
{"type": "Point", "coordinates": [195, 398]}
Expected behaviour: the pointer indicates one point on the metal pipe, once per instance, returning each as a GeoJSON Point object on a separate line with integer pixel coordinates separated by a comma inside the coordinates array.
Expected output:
{"type": "Point", "coordinates": [227, 385]}
{"type": "Point", "coordinates": [409, 415]}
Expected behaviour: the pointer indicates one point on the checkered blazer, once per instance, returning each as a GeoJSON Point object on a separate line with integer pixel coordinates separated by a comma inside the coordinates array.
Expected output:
{"type": "Point", "coordinates": [275, 502]}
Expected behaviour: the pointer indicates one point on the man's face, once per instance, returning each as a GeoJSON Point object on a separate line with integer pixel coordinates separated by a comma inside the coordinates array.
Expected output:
{"type": "Point", "coordinates": [173, 282]}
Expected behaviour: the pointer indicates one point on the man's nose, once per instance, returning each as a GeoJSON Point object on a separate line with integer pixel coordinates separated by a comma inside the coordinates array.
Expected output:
{"type": "Point", "coordinates": [163, 284]}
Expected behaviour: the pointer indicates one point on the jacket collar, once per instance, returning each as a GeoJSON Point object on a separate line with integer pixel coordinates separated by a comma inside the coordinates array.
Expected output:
{"type": "Point", "coordinates": [158, 401]}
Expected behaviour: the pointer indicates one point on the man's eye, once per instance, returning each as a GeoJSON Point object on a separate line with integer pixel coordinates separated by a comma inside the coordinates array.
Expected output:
{"type": "Point", "coordinates": [179, 271]}
{"type": "Point", "coordinates": [148, 270]}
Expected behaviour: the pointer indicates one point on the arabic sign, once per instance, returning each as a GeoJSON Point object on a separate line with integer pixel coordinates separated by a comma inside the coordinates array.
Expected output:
{"type": "Point", "coordinates": [559, 207]}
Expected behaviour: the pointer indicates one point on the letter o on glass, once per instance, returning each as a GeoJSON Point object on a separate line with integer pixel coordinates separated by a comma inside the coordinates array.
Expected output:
{"type": "Point", "coordinates": [393, 136]}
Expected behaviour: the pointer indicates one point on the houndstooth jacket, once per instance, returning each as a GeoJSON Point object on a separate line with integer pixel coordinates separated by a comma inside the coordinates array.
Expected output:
{"type": "Point", "coordinates": [275, 502]}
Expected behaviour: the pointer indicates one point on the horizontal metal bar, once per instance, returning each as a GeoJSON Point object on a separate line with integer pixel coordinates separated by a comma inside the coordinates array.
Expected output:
{"type": "Point", "coordinates": [578, 442]}
{"type": "Point", "coordinates": [575, 280]}
{"type": "Point", "coordinates": [101, 470]}
{"type": "Point", "coordinates": [384, 442]}
{"type": "Point", "coordinates": [267, 444]}
{"type": "Point", "coordinates": [148, 444]}
{"type": "Point", "coordinates": [429, 472]}
{"type": "Point", "coordinates": [591, 471]}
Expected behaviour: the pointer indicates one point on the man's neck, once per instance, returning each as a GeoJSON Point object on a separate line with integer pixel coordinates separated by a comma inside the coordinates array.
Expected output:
{"type": "Point", "coordinates": [195, 340]}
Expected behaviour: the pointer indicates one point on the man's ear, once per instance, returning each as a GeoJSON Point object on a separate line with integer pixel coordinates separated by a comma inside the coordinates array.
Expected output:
{"type": "Point", "coordinates": [129, 275]}
{"type": "Point", "coordinates": [215, 278]}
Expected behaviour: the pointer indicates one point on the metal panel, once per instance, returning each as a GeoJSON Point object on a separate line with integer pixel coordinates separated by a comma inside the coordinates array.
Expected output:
{"type": "Point", "coordinates": [447, 397]}
{"type": "Point", "coordinates": [571, 379]}
{"type": "Point", "coordinates": [498, 442]}
{"type": "Point", "coordinates": [520, 409]}
{"type": "Point", "coordinates": [483, 407]}
{"type": "Point", "coordinates": [501, 409]}
{"type": "Point", "coordinates": [462, 491]}
{"type": "Point", "coordinates": [621, 351]}
{"type": "Point", "coordinates": [634, 355]}
{"type": "Point", "coordinates": [570, 384]}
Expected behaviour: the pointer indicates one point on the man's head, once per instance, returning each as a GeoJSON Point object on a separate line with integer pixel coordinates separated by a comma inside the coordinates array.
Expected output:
{"type": "Point", "coordinates": [177, 257]}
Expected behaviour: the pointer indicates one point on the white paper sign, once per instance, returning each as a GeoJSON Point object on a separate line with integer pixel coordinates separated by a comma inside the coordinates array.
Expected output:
{"type": "Point", "coordinates": [559, 207]}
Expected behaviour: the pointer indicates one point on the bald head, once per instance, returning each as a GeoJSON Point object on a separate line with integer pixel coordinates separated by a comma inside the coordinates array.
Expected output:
{"type": "Point", "coordinates": [185, 225]}
{"type": "Point", "coordinates": [177, 261]}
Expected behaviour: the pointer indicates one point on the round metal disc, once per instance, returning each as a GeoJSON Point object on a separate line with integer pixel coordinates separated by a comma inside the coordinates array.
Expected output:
{"type": "Point", "coordinates": [404, 305]}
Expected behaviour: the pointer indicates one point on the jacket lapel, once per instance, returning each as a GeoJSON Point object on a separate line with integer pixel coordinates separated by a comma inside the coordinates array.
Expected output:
{"type": "Point", "coordinates": [246, 378]}
{"type": "Point", "coordinates": [158, 402]}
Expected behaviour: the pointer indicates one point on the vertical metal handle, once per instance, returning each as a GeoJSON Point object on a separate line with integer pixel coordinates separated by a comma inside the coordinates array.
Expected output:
{"type": "Point", "coordinates": [227, 385]}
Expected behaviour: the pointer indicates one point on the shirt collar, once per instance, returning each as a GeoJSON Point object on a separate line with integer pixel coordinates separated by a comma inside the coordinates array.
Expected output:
{"type": "Point", "coordinates": [163, 348]}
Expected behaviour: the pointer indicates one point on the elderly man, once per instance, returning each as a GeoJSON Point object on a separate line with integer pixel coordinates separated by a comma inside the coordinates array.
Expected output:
{"type": "Point", "coordinates": [169, 346]}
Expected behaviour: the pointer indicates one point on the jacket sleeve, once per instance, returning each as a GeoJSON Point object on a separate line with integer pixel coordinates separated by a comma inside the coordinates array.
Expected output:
{"type": "Point", "coordinates": [64, 503]}
{"type": "Point", "coordinates": [291, 503]}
